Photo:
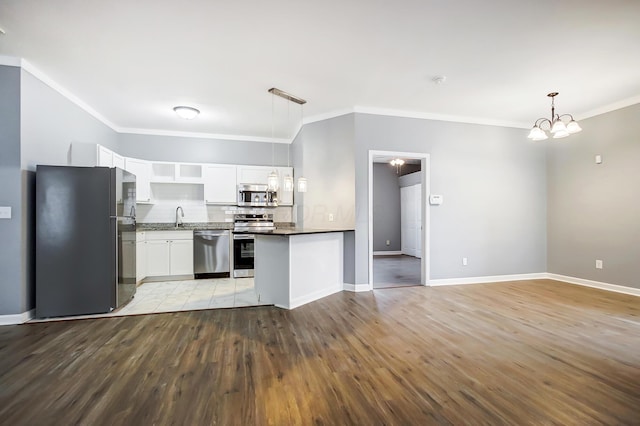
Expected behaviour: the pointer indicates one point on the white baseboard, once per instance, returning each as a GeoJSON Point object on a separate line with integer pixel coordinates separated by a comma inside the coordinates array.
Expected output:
{"type": "Point", "coordinates": [387, 253]}
{"type": "Point", "coordinates": [303, 300]}
{"type": "Point", "coordinates": [595, 284]}
{"type": "Point", "coordinates": [356, 288]}
{"type": "Point", "coordinates": [17, 318]}
{"type": "Point", "coordinates": [487, 279]}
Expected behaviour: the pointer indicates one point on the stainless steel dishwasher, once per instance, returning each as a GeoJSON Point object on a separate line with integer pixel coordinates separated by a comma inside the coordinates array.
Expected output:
{"type": "Point", "coordinates": [211, 254]}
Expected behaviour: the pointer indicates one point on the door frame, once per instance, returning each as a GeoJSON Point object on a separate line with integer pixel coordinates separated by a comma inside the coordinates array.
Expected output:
{"type": "Point", "coordinates": [425, 167]}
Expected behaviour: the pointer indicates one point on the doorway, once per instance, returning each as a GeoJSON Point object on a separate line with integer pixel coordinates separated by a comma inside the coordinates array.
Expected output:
{"type": "Point", "coordinates": [398, 219]}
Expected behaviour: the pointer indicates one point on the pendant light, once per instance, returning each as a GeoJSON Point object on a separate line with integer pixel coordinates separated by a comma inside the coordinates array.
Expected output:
{"type": "Point", "coordinates": [273, 180]}
{"type": "Point", "coordinates": [556, 126]}
{"type": "Point", "coordinates": [302, 182]}
{"type": "Point", "coordinates": [287, 181]}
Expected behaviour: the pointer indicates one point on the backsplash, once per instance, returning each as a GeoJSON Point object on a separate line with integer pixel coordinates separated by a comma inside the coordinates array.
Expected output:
{"type": "Point", "coordinates": [190, 197]}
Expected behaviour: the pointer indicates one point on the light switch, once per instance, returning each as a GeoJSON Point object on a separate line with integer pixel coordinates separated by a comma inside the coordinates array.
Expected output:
{"type": "Point", "coordinates": [598, 159]}
{"type": "Point", "coordinates": [5, 212]}
{"type": "Point", "coordinates": [435, 199]}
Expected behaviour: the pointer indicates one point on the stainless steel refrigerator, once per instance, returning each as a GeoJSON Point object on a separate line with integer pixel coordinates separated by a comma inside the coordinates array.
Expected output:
{"type": "Point", "coordinates": [85, 240]}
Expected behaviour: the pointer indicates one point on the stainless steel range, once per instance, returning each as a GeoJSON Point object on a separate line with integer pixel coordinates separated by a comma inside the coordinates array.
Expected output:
{"type": "Point", "coordinates": [243, 241]}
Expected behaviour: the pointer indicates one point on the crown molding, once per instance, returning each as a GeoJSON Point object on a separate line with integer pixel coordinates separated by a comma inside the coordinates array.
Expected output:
{"type": "Point", "coordinates": [27, 66]}
{"type": "Point", "coordinates": [439, 117]}
{"type": "Point", "coordinates": [609, 108]}
{"type": "Point", "coordinates": [328, 115]}
{"type": "Point", "coordinates": [176, 133]}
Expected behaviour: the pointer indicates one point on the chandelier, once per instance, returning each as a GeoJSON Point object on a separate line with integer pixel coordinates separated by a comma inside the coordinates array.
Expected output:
{"type": "Point", "coordinates": [556, 126]}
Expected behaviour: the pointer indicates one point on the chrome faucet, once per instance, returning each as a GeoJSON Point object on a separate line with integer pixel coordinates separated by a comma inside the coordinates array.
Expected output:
{"type": "Point", "coordinates": [179, 218]}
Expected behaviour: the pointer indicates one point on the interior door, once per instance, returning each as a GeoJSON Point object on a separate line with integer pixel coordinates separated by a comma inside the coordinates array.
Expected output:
{"type": "Point", "coordinates": [410, 220]}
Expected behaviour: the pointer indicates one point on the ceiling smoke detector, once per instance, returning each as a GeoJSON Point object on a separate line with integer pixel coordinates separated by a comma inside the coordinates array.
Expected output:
{"type": "Point", "coordinates": [439, 79]}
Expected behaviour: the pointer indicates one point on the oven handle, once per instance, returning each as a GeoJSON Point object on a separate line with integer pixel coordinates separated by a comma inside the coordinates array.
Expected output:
{"type": "Point", "coordinates": [243, 236]}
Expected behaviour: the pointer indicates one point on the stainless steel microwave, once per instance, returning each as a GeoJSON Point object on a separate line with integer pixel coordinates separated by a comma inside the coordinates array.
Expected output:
{"type": "Point", "coordinates": [256, 195]}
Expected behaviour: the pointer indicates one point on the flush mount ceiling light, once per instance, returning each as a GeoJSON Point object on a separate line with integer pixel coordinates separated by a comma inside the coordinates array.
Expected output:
{"type": "Point", "coordinates": [556, 126]}
{"type": "Point", "coordinates": [186, 112]}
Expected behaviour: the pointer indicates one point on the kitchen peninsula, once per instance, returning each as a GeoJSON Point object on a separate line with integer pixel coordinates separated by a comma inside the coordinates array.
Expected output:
{"type": "Point", "coordinates": [296, 266]}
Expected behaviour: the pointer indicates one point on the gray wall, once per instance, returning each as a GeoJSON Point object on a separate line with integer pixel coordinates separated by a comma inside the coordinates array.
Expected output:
{"type": "Point", "coordinates": [493, 180]}
{"type": "Point", "coordinates": [386, 208]}
{"type": "Point", "coordinates": [194, 150]}
{"type": "Point", "coordinates": [594, 209]}
{"type": "Point", "coordinates": [12, 295]}
{"type": "Point", "coordinates": [46, 126]}
{"type": "Point", "coordinates": [323, 153]}
{"type": "Point", "coordinates": [50, 123]}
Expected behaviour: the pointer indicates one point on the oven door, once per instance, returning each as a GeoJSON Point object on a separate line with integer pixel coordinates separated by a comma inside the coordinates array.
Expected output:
{"type": "Point", "coordinates": [243, 246]}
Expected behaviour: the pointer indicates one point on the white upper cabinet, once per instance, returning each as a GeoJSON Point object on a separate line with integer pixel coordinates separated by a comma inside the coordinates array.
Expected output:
{"type": "Point", "coordinates": [91, 154]}
{"type": "Point", "coordinates": [105, 157]}
{"type": "Point", "coordinates": [142, 170]}
{"type": "Point", "coordinates": [118, 161]}
{"type": "Point", "coordinates": [220, 184]}
{"type": "Point", "coordinates": [253, 174]}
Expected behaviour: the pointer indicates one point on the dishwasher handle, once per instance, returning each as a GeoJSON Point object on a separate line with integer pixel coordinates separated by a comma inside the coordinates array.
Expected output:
{"type": "Point", "coordinates": [209, 234]}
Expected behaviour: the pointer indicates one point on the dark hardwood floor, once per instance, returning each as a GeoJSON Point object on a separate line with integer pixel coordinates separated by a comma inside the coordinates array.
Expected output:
{"type": "Point", "coordinates": [529, 352]}
{"type": "Point", "coordinates": [396, 271]}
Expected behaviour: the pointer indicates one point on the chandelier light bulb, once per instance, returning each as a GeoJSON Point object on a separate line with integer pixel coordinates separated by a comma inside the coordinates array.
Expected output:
{"type": "Point", "coordinates": [558, 126]}
{"type": "Point", "coordinates": [573, 127]}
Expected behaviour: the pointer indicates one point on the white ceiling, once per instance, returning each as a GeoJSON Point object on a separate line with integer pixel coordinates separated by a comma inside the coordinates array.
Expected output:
{"type": "Point", "coordinates": [132, 61]}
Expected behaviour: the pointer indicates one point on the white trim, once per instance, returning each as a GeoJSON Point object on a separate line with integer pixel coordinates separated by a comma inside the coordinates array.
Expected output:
{"type": "Point", "coordinates": [425, 159]}
{"type": "Point", "coordinates": [387, 253]}
{"type": "Point", "coordinates": [608, 108]}
{"type": "Point", "coordinates": [308, 298]}
{"type": "Point", "coordinates": [17, 318]}
{"type": "Point", "coordinates": [27, 66]}
{"type": "Point", "coordinates": [10, 61]}
{"type": "Point", "coordinates": [440, 117]}
{"type": "Point", "coordinates": [488, 279]}
{"type": "Point", "coordinates": [328, 115]}
{"type": "Point", "coordinates": [595, 284]}
{"type": "Point", "coordinates": [177, 133]}
{"type": "Point", "coordinates": [356, 288]}
{"type": "Point", "coordinates": [67, 94]}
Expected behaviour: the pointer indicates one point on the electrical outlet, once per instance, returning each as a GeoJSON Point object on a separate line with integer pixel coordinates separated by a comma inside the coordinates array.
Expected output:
{"type": "Point", "coordinates": [598, 264]}
{"type": "Point", "coordinates": [388, 242]}
{"type": "Point", "coordinates": [330, 217]}
{"type": "Point", "coordinates": [464, 261]}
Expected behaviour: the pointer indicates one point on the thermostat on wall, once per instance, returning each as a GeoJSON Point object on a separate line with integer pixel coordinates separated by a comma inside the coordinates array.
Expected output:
{"type": "Point", "coordinates": [435, 200]}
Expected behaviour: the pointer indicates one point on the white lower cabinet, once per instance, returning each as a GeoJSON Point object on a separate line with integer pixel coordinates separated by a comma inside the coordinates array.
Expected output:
{"type": "Point", "coordinates": [169, 253]}
{"type": "Point", "coordinates": [141, 256]}
{"type": "Point", "coordinates": [181, 257]}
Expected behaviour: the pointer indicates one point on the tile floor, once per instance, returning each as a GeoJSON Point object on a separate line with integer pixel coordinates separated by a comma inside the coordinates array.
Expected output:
{"type": "Point", "coordinates": [188, 295]}
{"type": "Point", "coordinates": [171, 296]}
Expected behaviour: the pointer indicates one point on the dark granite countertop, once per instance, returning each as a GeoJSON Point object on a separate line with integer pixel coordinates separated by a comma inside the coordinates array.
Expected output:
{"type": "Point", "coordinates": [196, 226]}
{"type": "Point", "coordinates": [293, 231]}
